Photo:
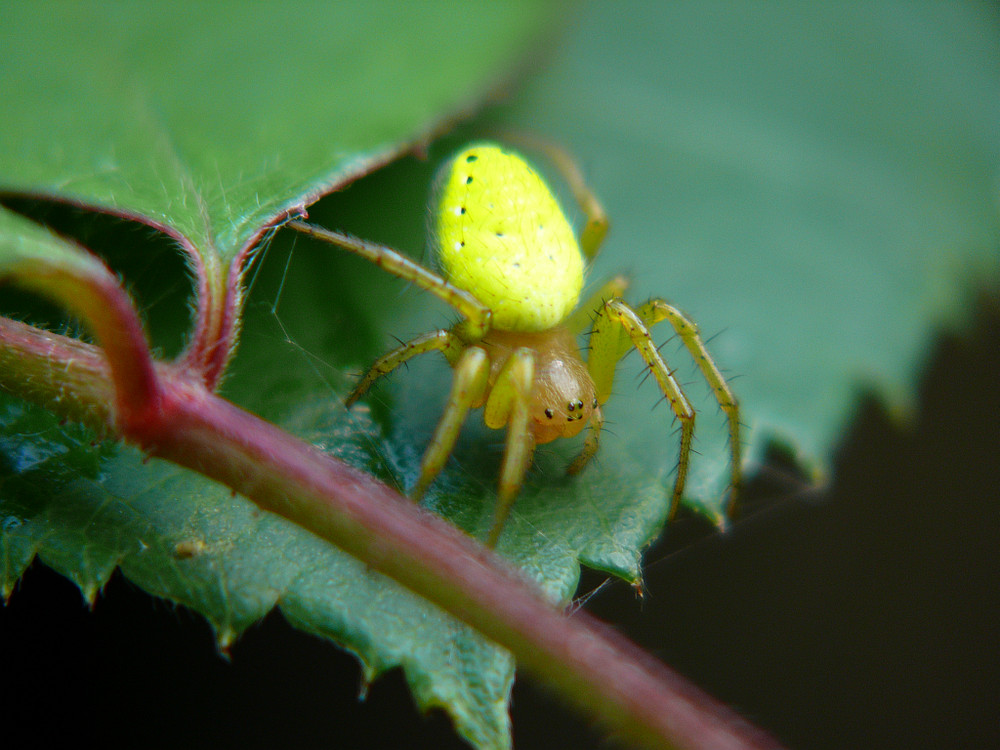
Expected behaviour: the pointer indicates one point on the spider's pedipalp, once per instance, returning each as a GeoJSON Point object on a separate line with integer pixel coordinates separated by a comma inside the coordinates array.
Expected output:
{"type": "Point", "coordinates": [509, 403]}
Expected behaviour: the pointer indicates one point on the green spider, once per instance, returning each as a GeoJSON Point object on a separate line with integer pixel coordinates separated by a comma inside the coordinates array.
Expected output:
{"type": "Point", "coordinates": [514, 270]}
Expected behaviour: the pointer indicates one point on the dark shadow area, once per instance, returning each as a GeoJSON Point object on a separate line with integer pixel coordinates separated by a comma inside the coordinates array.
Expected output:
{"type": "Point", "coordinates": [863, 619]}
{"type": "Point", "coordinates": [143, 257]}
{"type": "Point", "coordinates": [138, 672]}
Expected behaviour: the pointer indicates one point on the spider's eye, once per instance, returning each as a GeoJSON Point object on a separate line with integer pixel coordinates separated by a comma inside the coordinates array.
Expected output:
{"type": "Point", "coordinates": [571, 406]}
{"type": "Point", "coordinates": [594, 404]}
{"type": "Point", "coordinates": [549, 413]}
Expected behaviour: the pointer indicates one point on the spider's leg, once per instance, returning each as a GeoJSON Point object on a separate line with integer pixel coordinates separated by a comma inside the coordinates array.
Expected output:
{"type": "Point", "coordinates": [477, 316]}
{"type": "Point", "coordinates": [656, 310]}
{"type": "Point", "coordinates": [590, 445]}
{"type": "Point", "coordinates": [508, 404]}
{"type": "Point", "coordinates": [436, 341]}
{"type": "Point", "coordinates": [595, 229]}
{"type": "Point", "coordinates": [467, 388]}
{"type": "Point", "coordinates": [583, 317]}
{"type": "Point", "coordinates": [617, 328]}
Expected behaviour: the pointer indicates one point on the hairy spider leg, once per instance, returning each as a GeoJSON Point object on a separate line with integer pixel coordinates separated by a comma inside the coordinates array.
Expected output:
{"type": "Point", "coordinates": [467, 389]}
{"type": "Point", "coordinates": [616, 329]}
{"type": "Point", "coordinates": [477, 316]}
{"type": "Point", "coordinates": [444, 341]}
{"type": "Point", "coordinates": [656, 310]}
{"type": "Point", "coordinates": [508, 404]}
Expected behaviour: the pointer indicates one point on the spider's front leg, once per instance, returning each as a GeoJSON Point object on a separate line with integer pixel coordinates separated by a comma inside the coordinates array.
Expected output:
{"type": "Point", "coordinates": [509, 404]}
{"type": "Point", "coordinates": [477, 316]}
{"type": "Point", "coordinates": [616, 329]}
{"type": "Point", "coordinates": [444, 341]}
{"type": "Point", "coordinates": [583, 317]}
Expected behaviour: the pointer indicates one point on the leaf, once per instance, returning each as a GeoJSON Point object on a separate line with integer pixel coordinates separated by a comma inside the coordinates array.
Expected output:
{"type": "Point", "coordinates": [212, 121]}
{"type": "Point", "coordinates": [177, 535]}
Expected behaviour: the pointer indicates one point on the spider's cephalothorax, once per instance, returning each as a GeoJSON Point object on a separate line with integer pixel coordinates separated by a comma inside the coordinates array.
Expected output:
{"type": "Point", "coordinates": [563, 398]}
{"type": "Point", "coordinates": [513, 268]}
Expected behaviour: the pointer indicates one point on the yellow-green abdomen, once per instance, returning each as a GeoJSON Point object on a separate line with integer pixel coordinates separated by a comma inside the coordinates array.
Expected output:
{"type": "Point", "coordinates": [501, 235]}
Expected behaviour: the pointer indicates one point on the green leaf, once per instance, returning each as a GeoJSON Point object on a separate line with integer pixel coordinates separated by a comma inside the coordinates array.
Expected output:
{"type": "Point", "coordinates": [86, 511]}
{"type": "Point", "coordinates": [214, 119]}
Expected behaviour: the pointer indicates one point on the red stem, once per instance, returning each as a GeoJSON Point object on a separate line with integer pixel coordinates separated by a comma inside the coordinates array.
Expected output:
{"type": "Point", "coordinates": [598, 669]}
{"type": "Point", "coordinates": [168, 411]}
{"type": "Point", "coordinates": [636, 696]}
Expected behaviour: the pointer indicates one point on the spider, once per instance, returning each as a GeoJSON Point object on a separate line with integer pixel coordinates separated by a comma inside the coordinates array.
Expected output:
{"type": "Point", "coordinates": [514, 270]}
